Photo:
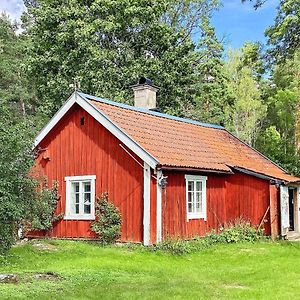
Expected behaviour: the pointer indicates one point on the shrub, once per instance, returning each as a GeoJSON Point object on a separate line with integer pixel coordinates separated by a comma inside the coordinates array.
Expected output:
{"type": "Point", "coordinates": [107, 225]}
{"type": "Point", "coordinates": [6, 236]}
{"type": "Point", "coordinates": [234, 232]}
{"type": "Point", "coordinates": [17, 188]}
{"type": "Point", "coordinates": [44, 211]}
{"type": "Point", "coordinates": [239, 230]}
{"type": "Point", "coordinates": [174, 246]}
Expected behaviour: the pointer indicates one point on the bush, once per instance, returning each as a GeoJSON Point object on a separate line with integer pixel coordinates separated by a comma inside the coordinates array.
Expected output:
{"type": "Point", "coordinates": [235, 232]}
{"type": "Point", "coordinates": [175, 246]}
{"type": "Point", "coordinates": [17, 188]}
{"type": "Point", "coordinates": [44, 211]}
{"type": "Point", "coordinates": [107, 225]}
{"type": "Point", "coordinates": [7, 230]}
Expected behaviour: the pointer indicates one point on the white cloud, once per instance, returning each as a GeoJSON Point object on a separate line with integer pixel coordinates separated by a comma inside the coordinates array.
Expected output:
{"type": "Point", "coordinates": [14, 8]}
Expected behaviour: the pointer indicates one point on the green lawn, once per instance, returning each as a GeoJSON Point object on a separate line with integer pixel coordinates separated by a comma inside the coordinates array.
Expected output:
{"type": "Point", "coordinates": [262, 270]}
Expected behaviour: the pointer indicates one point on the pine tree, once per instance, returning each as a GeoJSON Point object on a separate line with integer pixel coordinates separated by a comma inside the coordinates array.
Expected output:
{"type": "Point", "coordinates": [210, 81]}
{"type": "Point", "coordinates": [15, 88]}
{"type": "Point", "coordinates": [283, 36]}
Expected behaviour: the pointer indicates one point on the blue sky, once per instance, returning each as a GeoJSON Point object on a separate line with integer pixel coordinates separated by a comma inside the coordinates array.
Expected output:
{"type": "Point", "coordinates": [235, 23]}
{"type": "Point", "coordinates": [13, 8]}
{"type": "Point", "coordinates": [238, 23]}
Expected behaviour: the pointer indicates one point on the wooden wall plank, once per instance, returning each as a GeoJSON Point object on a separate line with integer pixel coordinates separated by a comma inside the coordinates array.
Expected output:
{"type": "Point", "coordinates": [274, 211]}
{"type": "Point", "coordinates": [228, 198]}
{"type": "Point", "coordinates": [90, 149]}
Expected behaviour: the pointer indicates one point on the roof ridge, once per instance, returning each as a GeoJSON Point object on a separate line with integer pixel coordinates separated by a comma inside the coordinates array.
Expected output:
{"type": "Point", "coordinates": [149, 112]}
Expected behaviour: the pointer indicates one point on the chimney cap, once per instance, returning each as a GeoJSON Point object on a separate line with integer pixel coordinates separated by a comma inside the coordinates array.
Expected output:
{"type": "Point", "coordinates": [144, 81]}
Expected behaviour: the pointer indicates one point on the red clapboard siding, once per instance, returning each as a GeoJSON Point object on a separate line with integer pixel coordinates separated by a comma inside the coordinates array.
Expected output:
{"type": "Point", "coordinates": [228, 198]}
{"type": "Point", "coordinates": [248, 197]}
{"type": "Point", "coordinates": [90, 149]}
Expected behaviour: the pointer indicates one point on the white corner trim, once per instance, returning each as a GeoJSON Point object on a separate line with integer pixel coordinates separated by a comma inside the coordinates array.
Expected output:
{"type": "Point", "coordinates": [103, 120]}
{"type": "Point", "coordinates": [158, 208]}
{"type": "Point", "coordinates": [194, 215]}
{"type": "Point", "coordinates": [146, 218]}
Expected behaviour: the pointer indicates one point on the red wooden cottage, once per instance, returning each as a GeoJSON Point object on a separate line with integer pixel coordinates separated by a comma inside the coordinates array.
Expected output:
{"type": "Point", "coordinates": [169, 176]}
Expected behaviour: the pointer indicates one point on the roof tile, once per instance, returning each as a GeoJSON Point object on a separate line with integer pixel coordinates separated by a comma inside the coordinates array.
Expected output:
{"type": "Point", "coordinates": [176, 142]}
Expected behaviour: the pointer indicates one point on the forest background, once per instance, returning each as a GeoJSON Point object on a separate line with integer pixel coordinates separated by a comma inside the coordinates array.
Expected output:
{"type": "Point", "coordinates": [106, 45]}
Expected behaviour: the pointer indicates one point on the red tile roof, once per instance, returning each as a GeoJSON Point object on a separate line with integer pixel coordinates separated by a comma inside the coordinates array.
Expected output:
{"type": "Point", "coordinates": [182, 143]}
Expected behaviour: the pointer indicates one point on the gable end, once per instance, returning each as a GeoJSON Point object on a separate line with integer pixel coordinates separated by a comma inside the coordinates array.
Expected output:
{"type": "Point", "coordinates": [103, 120]}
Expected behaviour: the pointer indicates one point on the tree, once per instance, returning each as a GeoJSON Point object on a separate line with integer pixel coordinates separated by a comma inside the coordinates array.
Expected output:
{"type": "Point", "coordinates": [256, 3]}
{"type": "Point", "coordinates": [277, 139]}
{"type": "Point", "coordinates": [107, 45]}
{"type": "Point", "coordinates": [187, 15]}
{"type": "Point", "coordinates": [18, 193]}
{"type": "Point", "coordinates": [287, 79]}
{"type": "Point", "coordinates": [284, 113]}
{"type": "Point", "coordinates": [210, 81]}
{"type": "Point", "coordinates": [245, 114]}
{"type": "Point", "coordinates": [284, 34]}
{"type": "Point", "coordinates": [15, 88]}
{"type": "Point", "coordinates": [253, 58]}
{"type": "Point", "coordinates": [16, 160]}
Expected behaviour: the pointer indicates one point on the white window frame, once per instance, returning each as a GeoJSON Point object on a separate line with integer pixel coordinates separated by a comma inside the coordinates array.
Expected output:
{"type": "Point", "coordinates": [82, 216]}
{"type": "Point", "coordinates": [203, 213]}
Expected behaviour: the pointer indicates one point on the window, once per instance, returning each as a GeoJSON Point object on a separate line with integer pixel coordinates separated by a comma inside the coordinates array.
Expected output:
{"type": "Point", "coordinates": [196, 197]}
{"type": "Point", "coordinates": [80, 197]}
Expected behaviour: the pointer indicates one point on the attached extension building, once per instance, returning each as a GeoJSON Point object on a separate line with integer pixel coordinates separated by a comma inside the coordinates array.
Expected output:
{"type": "Point", "coordinates": [169, 176]}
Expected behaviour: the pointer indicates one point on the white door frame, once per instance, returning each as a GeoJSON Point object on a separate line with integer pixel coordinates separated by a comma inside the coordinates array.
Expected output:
{"type": "Point", "coordinates": [297, 210]}
{"type": "Point", "coordinates": [284, 211]}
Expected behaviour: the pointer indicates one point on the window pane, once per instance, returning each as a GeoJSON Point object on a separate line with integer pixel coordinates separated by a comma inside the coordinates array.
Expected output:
{"type": "Point", "coordinates": [190, 185]}
{"type": "Point", "coordinates": [87, 203]}
{"type": "Point", "coordinates": [75, 198]}
{"type": "Point", "coordinates": [75, 187]}
{"type": "Point", "coordinates": [198, 207]}
{"type": "Point", "coordinates": [199, 186]}
{"type": "Point", "coordinates": [190, 202]}
{"type": "Point", "coordinates": [87, 209]}
{"type": "Point", "coordinates": [199, 201]}
{"type": "Point", "coordinates": [75, 204]}
{"type": "Point", "coordinates": [87, 186]}
{"type": "Point", "coordinates": [190, 197]}
{"type": "Point", "coordinates": [87, 198]}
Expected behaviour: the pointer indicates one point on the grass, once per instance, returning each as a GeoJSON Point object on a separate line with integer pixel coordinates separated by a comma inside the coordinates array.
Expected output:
{"type": "Point", "coordinates": [263, 270]}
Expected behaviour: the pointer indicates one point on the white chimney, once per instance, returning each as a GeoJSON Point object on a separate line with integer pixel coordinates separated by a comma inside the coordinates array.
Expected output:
{"type": "Point", "coordinates": [145, 94]}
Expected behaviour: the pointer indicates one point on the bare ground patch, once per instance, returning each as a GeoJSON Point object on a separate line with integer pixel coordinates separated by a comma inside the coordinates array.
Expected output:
{"type": "Point", "coordinates": [235, 286]}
